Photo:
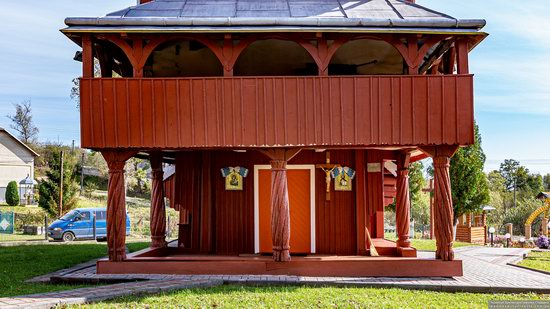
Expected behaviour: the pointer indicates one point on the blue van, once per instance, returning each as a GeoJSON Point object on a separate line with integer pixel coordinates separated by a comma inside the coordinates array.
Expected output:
{"type": "Point", "coordinates": [79, 224]}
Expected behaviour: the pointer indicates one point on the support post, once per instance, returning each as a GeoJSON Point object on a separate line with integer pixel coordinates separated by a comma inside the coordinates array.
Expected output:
{"type": "Point", "coordinates": [462, 56]}
{"type": "Point", "coordinates": [443, 202]}
{"type": "Point", "coordinates": [544, 226]}
{"type": "Point", "coordinates": [280, 210]}
{"type": "Point", "coordinates": [443, 208]}
{"type": "Point", "coordinates": [528, 231]}
{"type": "Point", "coordinates": [87, 57]}
{"type": "Point", "coordinates": [116, 204]}
{"type": "Point", "coordinates": [403, 204]}
{"type": "Point", "coordinates": [158, 209]}
{"type": "Point", "coordinates": [61, 173]}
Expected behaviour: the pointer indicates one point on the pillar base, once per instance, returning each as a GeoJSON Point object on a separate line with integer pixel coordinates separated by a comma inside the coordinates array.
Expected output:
{"type": "Point", "coordinates": [406, 252]}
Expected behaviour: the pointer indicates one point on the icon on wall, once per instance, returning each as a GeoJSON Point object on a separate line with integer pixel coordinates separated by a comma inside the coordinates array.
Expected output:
{"type": "Point", "coordinates": [234, 177]}
{"type": "Point", "coordinates": [342, 178]}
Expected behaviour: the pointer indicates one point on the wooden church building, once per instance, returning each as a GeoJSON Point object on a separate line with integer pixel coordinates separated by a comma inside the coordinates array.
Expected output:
{"type": "Point", "coordinates": [291, 125]}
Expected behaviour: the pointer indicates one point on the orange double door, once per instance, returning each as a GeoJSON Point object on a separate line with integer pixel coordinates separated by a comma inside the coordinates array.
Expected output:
{"type": "Point", "coordinates": [302, 209]}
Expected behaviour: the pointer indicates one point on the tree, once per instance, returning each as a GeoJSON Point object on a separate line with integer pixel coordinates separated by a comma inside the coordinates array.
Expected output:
{"type": "Point", "coordinates": [23, 124]}
{"type": "Point", "coordinates": [420, 202]}
{"type": "Point", "coordinates": [546, 182]}
{"type": "Point", "coordinates": [515, 176]}
{"type": "Point", "coordinates": [49, 188]}
{"type": "Point", "coordinates": [75, 89]}
{"type": "Point", "coordinates": [12, 196]}
{"type": "Point", "coordinates": [496, 182]}
{"type": "Point", "coordinates": [469, 185]}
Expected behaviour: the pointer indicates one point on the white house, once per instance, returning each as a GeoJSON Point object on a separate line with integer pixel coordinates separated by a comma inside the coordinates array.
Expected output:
{"type": "Point", "coordinates": [16, 161]}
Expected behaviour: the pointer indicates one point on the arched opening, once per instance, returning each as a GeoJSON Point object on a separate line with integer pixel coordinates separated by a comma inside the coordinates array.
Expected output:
{"type": "Point", "coordinates": [111, 61]}
{"type": "Point", "coordinates": [182, 58]}
{"type": "Point", "coordinates": [275, 57]}
{"type": "Point", "coordinates": [366, 57]}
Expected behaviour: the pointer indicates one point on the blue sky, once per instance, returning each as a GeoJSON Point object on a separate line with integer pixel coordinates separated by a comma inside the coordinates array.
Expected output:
{"type": "Point", "coordinates": [511, 68]}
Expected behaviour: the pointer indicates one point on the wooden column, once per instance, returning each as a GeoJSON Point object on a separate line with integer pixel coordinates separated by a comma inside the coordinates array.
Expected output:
{"type": "Point", "coordinates": [462, 56]}
{"type": "Point", "coordinates": [87, 57]}
{"type": "Point", "coordinates": [116, 204]}
{"type": "Point", "coordinates": [158, 209]}
{"type": "Point", "coordinates": [484, 224]}
{"type": "Point", "coordinates": [280, 210]}
{"type": "Point", "coordinates": [403, 204]}
{"type": "Point", "coordinates": [360, 201]}
{"type": "Point", "coordinates": [443, 202]}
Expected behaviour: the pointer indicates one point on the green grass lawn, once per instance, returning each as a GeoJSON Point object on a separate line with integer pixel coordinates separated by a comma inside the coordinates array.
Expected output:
{"type": "Point", "coordinates": [427, 244]}
{"type": "Point", "coordinates": [20, 237]}
{"type": "Point", "coordinates": [20, 263]}
{"type": "Point", "coordinates": [233, 296]}
{"type": "Point", "coordinates": [537, 260]}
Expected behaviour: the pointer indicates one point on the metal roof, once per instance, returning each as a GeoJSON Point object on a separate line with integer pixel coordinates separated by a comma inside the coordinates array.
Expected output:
{"type": "Point", "coordinates": [276, 13]}
{"type": "Point", "coordinates": [20, 142]}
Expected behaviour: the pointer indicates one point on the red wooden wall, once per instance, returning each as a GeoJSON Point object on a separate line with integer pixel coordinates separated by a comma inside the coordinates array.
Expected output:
{"type": "Point", "coordinates": [227, 217]}
{"type": "Point", "coordinates": [276, 111]}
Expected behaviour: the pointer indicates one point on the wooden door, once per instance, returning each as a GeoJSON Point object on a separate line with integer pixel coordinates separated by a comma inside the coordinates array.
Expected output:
{"type": "Point", "coordinates": [299, 194]}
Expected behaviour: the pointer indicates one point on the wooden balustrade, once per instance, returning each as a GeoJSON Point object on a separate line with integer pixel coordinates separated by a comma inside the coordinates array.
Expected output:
{"type": "Point", "coordinates": [248, 112]}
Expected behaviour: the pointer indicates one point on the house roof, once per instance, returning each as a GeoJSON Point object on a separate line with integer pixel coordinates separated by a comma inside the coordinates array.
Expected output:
{"type": "Point", "coordinates": [20, 142]}
{"type": "Point", "coordinates": [251, 14]}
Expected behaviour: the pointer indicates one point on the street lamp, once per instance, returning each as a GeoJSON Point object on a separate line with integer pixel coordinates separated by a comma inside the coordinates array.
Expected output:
{"type": "Point", "coordinates": [522, 241]}
{"type": "Point", "coordinates": [507, 236]}
{"type": "Point", "coordinates": [26, 187]}
{"type": "Point", "coordinates": [492, 232]}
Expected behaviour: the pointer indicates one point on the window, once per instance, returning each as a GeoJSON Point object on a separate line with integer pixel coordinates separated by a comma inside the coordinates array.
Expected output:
{"type": "Point", "coordinates": [100, 215]}
{"type": "Point", "coordinates": [85, 216]}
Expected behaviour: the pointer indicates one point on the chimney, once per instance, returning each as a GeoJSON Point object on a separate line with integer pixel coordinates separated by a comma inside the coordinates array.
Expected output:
{"type": "Point", "coordinates": [410, 1]}
{"type": "Point", "coordinates": [143, 1]}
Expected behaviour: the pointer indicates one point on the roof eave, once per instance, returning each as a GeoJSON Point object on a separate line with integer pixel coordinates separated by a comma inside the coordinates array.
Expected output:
{"type": "Point", "coordinates": [255, 22]}
{"type": "Point", "coordinates": [20, 142]}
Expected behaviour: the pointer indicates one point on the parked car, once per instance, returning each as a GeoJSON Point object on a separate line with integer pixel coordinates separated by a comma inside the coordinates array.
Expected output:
{"type": "Point", "coordinates": [79, 224]}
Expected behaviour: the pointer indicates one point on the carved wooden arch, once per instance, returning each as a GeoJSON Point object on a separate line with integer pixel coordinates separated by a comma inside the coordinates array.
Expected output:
{"type": "Point", "coordinates": [341, 41]}
{"type": "Point", "coordinates": [210, 44]}
{"type": "Point", "coordinates": [412, 55]}
{"type": "Point", "coordinates": [311, 49]}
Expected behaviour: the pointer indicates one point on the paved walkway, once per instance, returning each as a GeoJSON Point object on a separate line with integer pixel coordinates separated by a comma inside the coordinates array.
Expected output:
{"type": "Point", "coordinates": [485, 271]}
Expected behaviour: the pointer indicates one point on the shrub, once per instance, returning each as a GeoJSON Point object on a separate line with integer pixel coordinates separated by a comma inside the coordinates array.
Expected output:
{"type": "Point", "coordinates": [543, 242]}
{"type": "Point", "coordinates": [12, 195]}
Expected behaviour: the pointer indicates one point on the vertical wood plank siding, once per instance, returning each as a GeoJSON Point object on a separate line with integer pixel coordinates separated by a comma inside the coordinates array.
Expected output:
{"type": "Point", "coordinates": [276, 111]}
{"type": "Point", "coordinates": [231, 221]}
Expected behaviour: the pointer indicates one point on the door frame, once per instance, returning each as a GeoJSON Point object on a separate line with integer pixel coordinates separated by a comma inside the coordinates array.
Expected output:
{"type": "Point", "coordinates": [257, 169]}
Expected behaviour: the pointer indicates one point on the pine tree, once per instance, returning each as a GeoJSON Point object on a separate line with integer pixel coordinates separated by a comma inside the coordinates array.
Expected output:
{"type": "Point", "coordinates": [49, 188]}
{"type": "Point", "coordinates": [12, 196]}
{"type": "Point", "coordinates": [469, 185]}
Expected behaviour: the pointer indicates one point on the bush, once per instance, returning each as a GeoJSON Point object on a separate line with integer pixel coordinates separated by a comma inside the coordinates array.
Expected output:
{"type": "Point", "coordinates": [543, 242]}
{"type": "Point", "coordinates": [12, 195]}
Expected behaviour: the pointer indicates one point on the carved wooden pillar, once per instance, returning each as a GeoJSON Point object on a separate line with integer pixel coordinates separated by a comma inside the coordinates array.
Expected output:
{"type": "Point", "coordinates": [280, 210]}
{"type": "Point", "coordinates": [158, 209]}
{"type": "Point", "coordinates": [443, 202]}
{"type": "Point", "coordinates": [403, 204]}
{"type": "Point", "coordinates": [116, 204]}
{"type": "Point", "coordinates": [443, 208]}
